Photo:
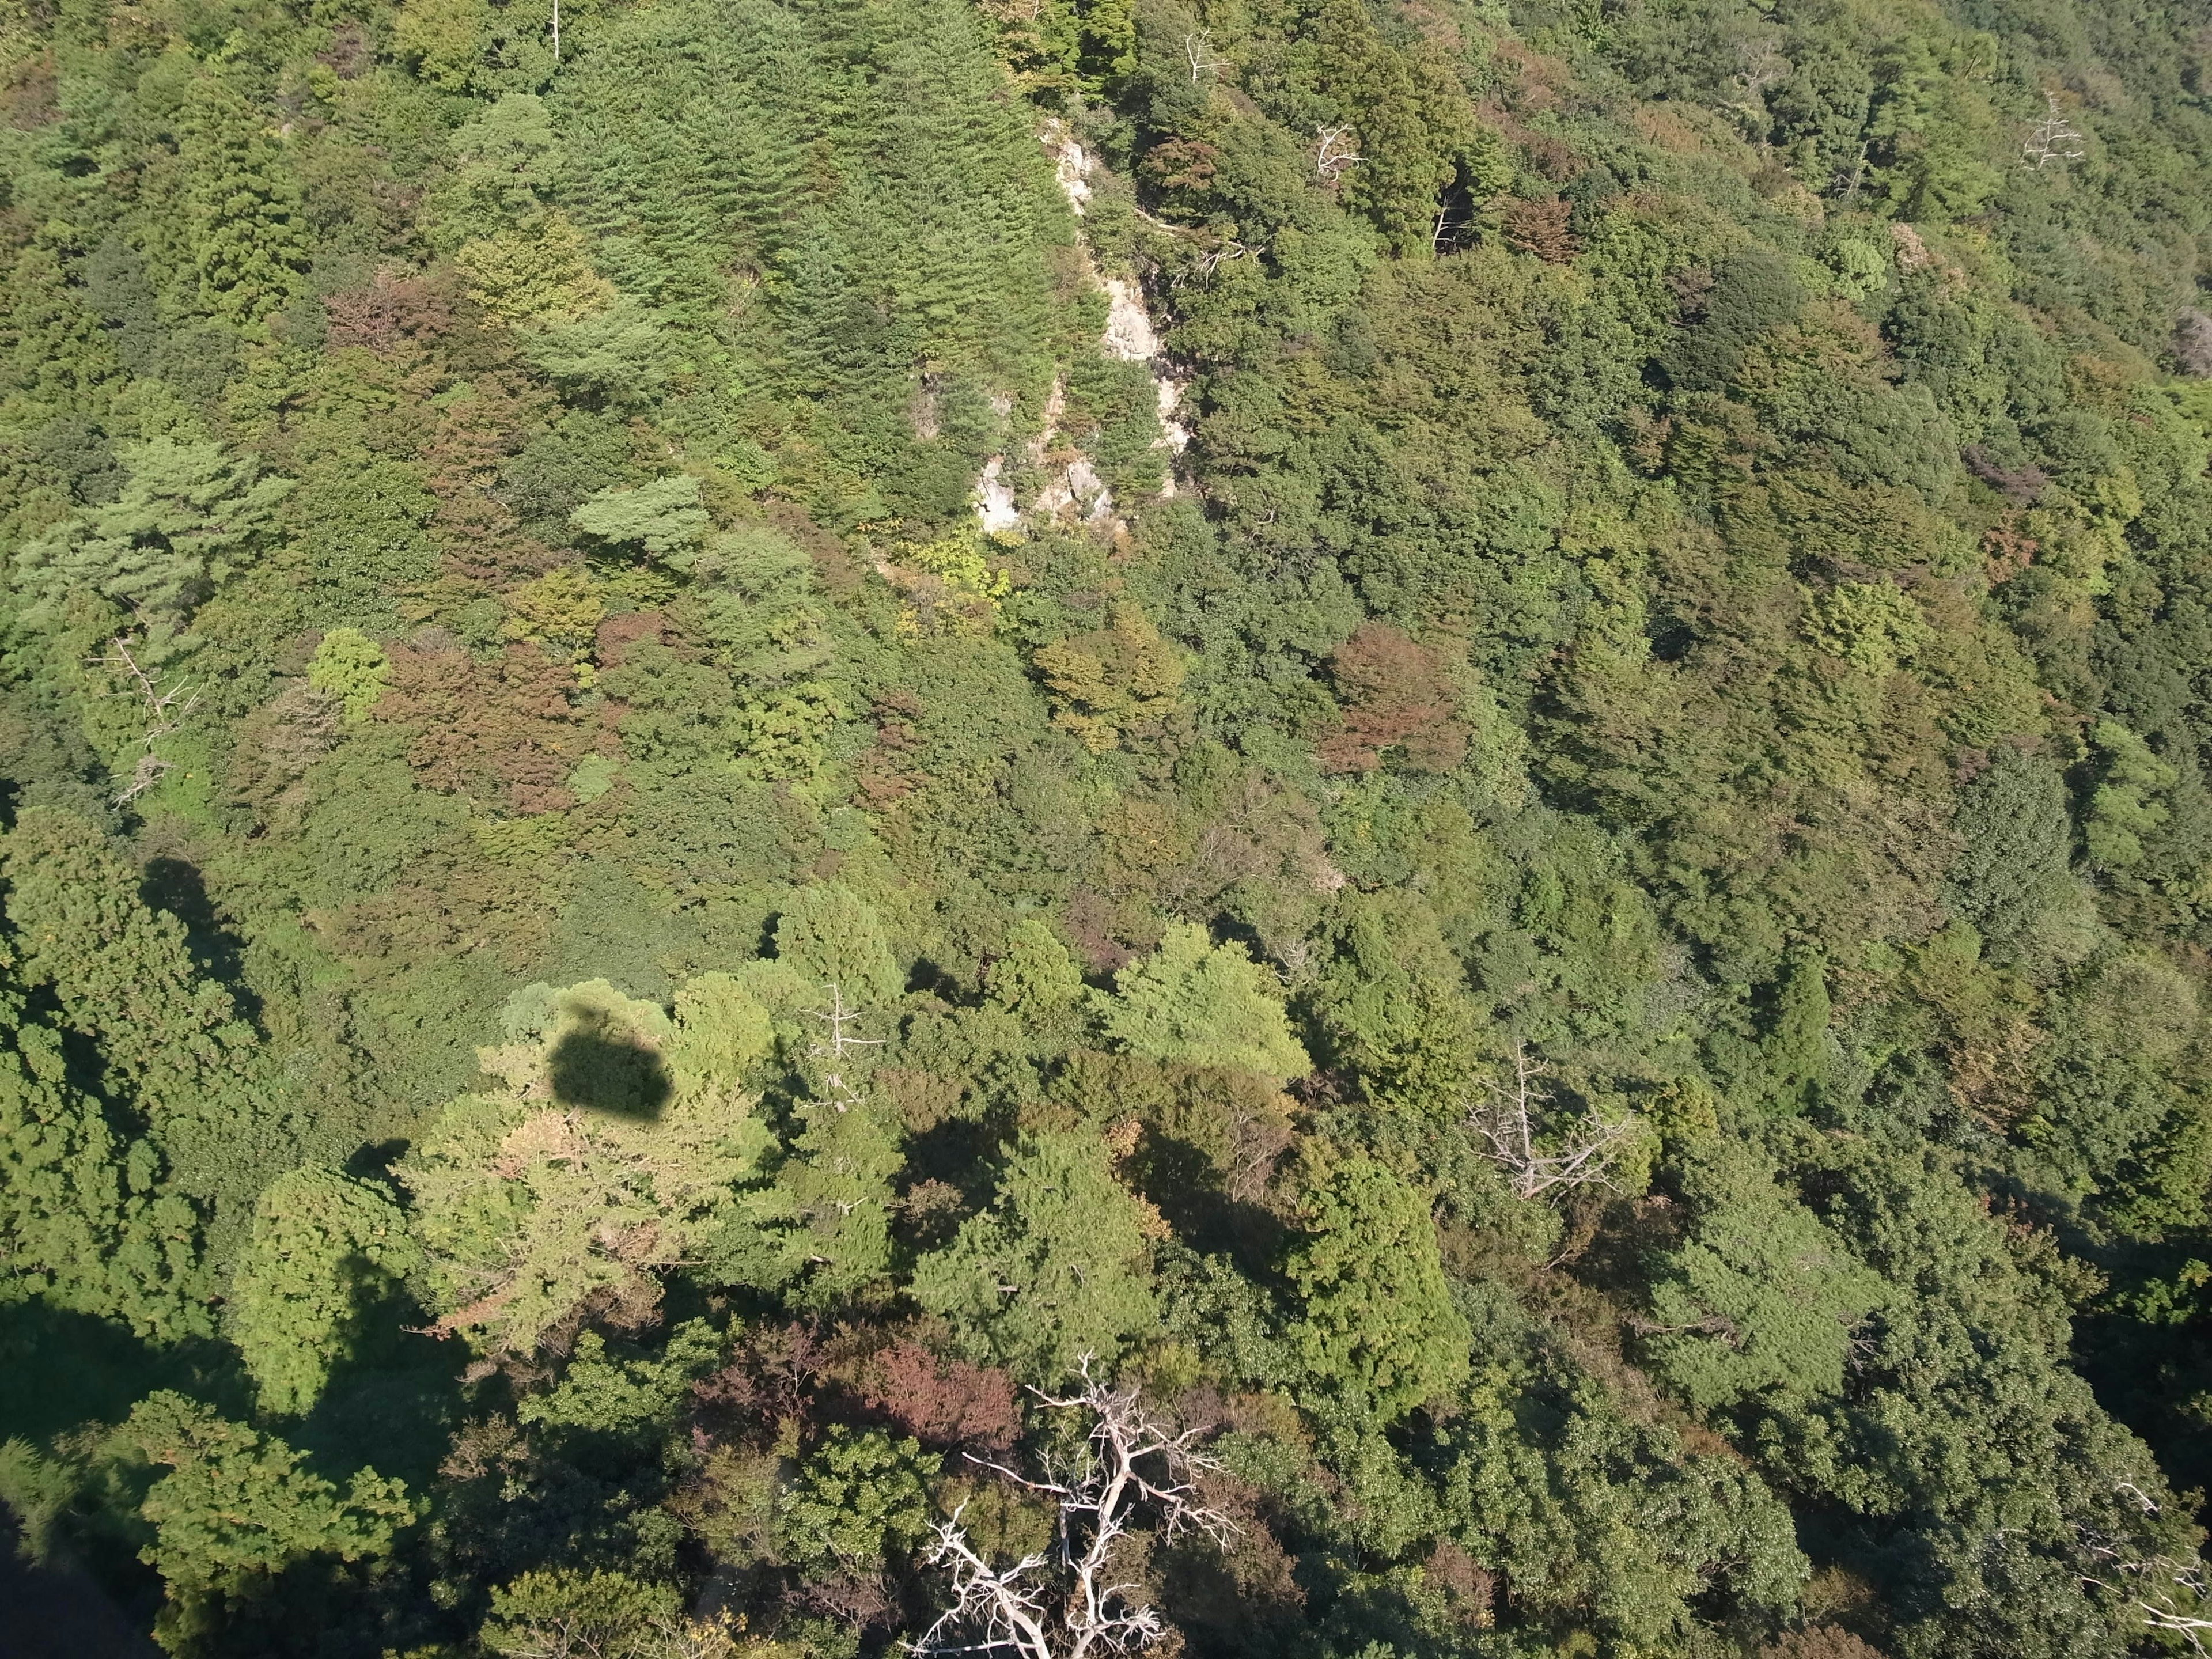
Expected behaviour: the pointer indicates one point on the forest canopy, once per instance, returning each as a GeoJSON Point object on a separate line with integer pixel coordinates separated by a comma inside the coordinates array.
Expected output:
{"type": "Point", "coordinates": [1308, 829]}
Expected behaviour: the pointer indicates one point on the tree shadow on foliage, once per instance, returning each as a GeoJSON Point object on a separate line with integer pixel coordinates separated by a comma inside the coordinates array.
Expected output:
{"type": "Point", "coordinates": [176, 886]}
{"type": "Point", "coordinates": [603, 1068]}
{"type": "Point", "coordinates": [59, 1369]}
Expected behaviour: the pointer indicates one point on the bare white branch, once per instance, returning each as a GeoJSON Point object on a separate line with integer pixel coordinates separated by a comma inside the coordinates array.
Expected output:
{"type": "Point", "coordinates": [2052, 142]}
{"type": "Point", "coordinates": [167, 712]}
{"type": "Point", "coordinates": [1511, 1122]}
{"type": "Point", "coordinates": [1199, 49]}
{"type": "Point", "coordinates": [1069, 1604]}
{"type": "Point", "coordinates": [1333, 153]}
{"type": "Point", "coordinates": [837, 1019]}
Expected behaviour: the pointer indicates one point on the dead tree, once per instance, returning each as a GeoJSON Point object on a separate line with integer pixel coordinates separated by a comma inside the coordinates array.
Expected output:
{"type": "Point", "coordinates": [1200, 50]}
{"type": "Point", "coordinates": [2171, 1597]}
{"type": "Point", "coordinates": [1333, 153]}
{"type": "Point", "coordinates": [1070, 1601]}
{"type": "Point", "coordinates": [166, 712]}
{"type": "Point", "coordinates": [2053, 140]}
{"type": "Point", "coordinates": [1512, 1123]}
{"type": "Point", "coordinates": [837, 1019]}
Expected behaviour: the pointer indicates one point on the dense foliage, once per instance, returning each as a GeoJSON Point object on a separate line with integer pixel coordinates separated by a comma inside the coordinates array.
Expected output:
{"type": "Point", "coordinates": [1470, 740]}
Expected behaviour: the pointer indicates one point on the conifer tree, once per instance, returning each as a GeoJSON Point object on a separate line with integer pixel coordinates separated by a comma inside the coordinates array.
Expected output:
{"type": "Point", "coordinates": [249, 240]}
{"type": "Point", "coordinates": [1378, 1323]}
{"type": "Point", "coordinates": [235, 1508]}
{"type": "Point", "coordinates": [1208, 1004]}
{"type": "Point", "coordinates": [1054, 1270]}
{"type": "Point", "coordinates": [171, 1047]}
{"type": "Point", "coordinates": [322, 1246]}
{"type": "Point", "coordinates": [88, 1220]}
{"type": "Point", "coordinates": [56, 348]}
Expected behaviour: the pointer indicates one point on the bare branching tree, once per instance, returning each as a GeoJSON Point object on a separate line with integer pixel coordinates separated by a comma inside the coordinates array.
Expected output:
{"type": "Point", "coordinates": [1333, 152]}
{"type": "Point", "coordinates": [1760, 67]}
{"type": "Point", "coordinates": [167, 712]}
{"type": "Point", "coordinates": [841, 1041]}
{"type": "Point", "coordinates": [2052, 142]}
{"type": "Point", "coordinates": [1071, 1601]}
{"type": "Point", "coordinates": [2170, 1596]}
{"type": "Point", "coordinates": [1200, 50]}
{"type": "Point", "coordinates": [1512, 1122]}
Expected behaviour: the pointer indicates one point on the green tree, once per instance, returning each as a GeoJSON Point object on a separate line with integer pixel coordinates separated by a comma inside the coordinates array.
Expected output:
{"type": "Point", "coordinates": [1394, 1005]}
{"type": "Point", "coordinates": [827, 1219]}
{"type": "Point", "coordinates": [664, 518]}
{"type": "Point", "coordinates": [859, 1497]}
{"type": "Point", "coordinates": [236, 1507]}
{"type": "Point", "coordinates": [1377, 1324]}
{"type": "Point", "coordinates": [248, 234]}
{"type": "Point", "coordinates": [2125, 806]}
{"type": "Point", "coordinates": [87, 1219]}
{"type": "Point", "coordinates": [1758, 1298]}
{"type": "Point", "coordinates": [1208, 1004]}
{"type": "Point", "coordinates": [572, 1190]}
{"type": "Point", "coordinates": [604, 1612]}
{"type": "Point", "coordinates": [1054, 1269]}
{"type": "Point", "coordinates": [352, 667]}
{"type": "Point", "coordinates": [834, 937]}
{"type": "Point", "coordinates": [56, 348]}
{"type": "Point", "coordinates": [1036, 979]}
{"type": "Point", "coordinates": [2017, 844]}
{"type": "Point", "coordinates": [322, 1247]}
{"type": "Point", "coordinates": [171, 1049]}
{"type": "Point", "coordinates": [188, 518]}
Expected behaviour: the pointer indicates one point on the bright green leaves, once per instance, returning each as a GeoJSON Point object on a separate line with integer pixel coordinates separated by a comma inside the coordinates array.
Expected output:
{"type": "Point", "coordinates": [595, 1171]}
{"type": "Point", "coordinates": [858, 1497]}
{"type": "Point", "coordinates": [236, 1507]}
{"type": "Point", "coordinates": [663, 518]}
{"type": "Point", "coordinates": [1874, 626]}
{"type": "Point", "coordinates": [1394, 1003]}
{"type": "Point", "coordinates": [1036, 979]}
{"type": "Point", "coordinates": [1759, 1297]}
{"type": "Point", "coordinates": [610, 1615]}
{"type": "Point", "coordinates": [1211, 1005]}
{"type": "Point", "coordinates": [1378, 1324]}
{"type": "Point", "coordinates": [172, 1046]}
{"type": "Point", "coordinates": [2126, 806]}
{"type": "Point", "coordinates": [324, 1247]}
{"type": "Point", "coordinates": [1054, 1269]}
{"type": "Point", "coordinates": [1064, 47]}
{"type": "Point", "coordinates": [600, 1392]}
{"type": "Point", "coordinates": [188, 517]}
{"type": "Point", "coordinates": [721, 1032]}
{"type": "Point", "coordinates": [351, 667]}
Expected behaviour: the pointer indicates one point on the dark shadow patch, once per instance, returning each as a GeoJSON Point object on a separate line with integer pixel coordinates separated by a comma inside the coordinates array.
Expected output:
{"type": "Point", "coordinates": [176, 886]}
{"type": "Point", "coordinates": [604, 1068]}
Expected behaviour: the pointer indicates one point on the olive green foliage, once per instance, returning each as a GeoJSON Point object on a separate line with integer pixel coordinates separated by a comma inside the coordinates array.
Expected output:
{"type": "Point", "coordinates": [323, 1245]}
{"type": "Point", "coordinates": [1054, 1270]}
{"type": "Point", "coordinates": [1206, 1003]}
{"type": "Point", "coordinates": [603, 1612]}
{"type": "Point", "coordinates": [625, 897]}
